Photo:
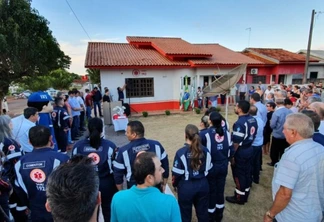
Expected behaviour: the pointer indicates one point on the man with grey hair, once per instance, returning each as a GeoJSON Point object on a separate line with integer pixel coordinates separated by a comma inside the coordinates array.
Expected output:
{"type": "Point", "coordinates": [279, 143]}
{"type": "Point", "coordinates": [298, 180]}
{"type": "Point", "coordinates": [318, 107]}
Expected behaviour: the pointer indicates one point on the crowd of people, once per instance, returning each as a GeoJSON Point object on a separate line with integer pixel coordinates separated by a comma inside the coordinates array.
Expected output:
{"type": "Point", "coordinates": [40, 182]}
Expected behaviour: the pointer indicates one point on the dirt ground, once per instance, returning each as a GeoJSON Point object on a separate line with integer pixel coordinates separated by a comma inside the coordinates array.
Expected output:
{"type": "Point", "coordinates": [169, 130]}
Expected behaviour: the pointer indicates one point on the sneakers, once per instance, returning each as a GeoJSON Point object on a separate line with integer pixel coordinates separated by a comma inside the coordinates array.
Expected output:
{"type": "Point", "coordinates": [233, 200]}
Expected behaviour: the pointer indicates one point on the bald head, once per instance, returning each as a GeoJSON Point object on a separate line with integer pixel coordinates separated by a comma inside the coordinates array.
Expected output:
{"type": "Point", "coordinates": [318, 107]}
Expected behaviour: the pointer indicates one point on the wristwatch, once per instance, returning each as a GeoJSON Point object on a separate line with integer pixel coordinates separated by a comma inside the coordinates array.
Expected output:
{"type": "Point", "coordinates": [269, 215]}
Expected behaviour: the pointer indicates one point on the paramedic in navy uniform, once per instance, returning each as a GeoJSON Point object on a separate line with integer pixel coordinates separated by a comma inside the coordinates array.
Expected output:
{"type": "Point", "coordinates": [190, 168]}
{"type": "Point", "coordinates": [101, 151]}
{"type": "Point", "coordinates": [244, 132]}
{"type": "Point", "coordinates": [33, 169]}
{"type": "Point", "coordinates": [61, 123]}
{"type": "Point", "coordinates": [126, 155]}
{"type": "Point", "coordinates": [218, 142]}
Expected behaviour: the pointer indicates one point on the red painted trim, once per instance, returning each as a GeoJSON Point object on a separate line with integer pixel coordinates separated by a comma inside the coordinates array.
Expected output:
{"type": "Point", "coordinates": [140, 67]}
{"type": "Point", "coordinates": [155, 106]}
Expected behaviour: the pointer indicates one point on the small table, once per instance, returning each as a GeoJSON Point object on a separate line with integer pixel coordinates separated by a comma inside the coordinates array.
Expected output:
{"type": "Point", "coordinates": [120, 122]}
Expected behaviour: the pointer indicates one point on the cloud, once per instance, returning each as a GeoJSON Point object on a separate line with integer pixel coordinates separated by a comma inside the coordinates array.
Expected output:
{"type": "Point", "coordinates": [77, 51]}
{"type": "Point", "coordinates": [101, 40]}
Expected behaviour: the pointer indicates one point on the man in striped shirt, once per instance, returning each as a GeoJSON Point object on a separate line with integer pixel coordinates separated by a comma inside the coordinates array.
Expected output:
{"type": "Point", "coordinates": [298, 181]}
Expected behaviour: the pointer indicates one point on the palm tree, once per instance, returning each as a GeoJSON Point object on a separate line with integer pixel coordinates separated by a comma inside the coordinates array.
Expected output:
{"type": "Point", "coordinates": [94, 75]}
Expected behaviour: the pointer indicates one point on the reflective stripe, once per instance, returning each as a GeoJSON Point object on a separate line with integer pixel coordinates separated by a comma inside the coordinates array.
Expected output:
{"type": "Point", "coordinates": [59, 118]}
{"type": "Point", "coordinates": [13, 155]}
{"type": "Point", "coordinates": [158, 151]}
{"type": "Point", "coordinates": [209, 165]}
{"type": "Point", "coordinates": [12, 205]}
{"type": "Point", "coordinates": [1, 146]}
{"type": "Point", "coordinates": [220, 206]}
{"type": "Point", "coordinates": [247, 189]}
{"type": "Point", "coordinates": [56, 163]}
{"type": "Point", "coordinates": [110, 152]}
{"type": "Point", "coordinates": [239, 192]}
{"type": "Point", "coordinates": [208, 144]}
{"type": "Point", "coordinates": [128, 166]}
{"type": "Point", "coordinates": [211, 210]}
{"type": "Point", "coordinates": [66, 117]}
{"type": "Point", "coordinates": [229, 138]}
{"type": "Point", "coordinates": [178, 171]}
{"type": "Point", "coordinates": [118, 165]}
{"type": "Point", "coordinates": [21, 208]}
{"type": "Point", "coordinates": [75, 151]}
{"type": "Point", "coordinates": [238, 134]}
{"type": "Point", "coordinates": [19, 181]}
{"type": "Point", "coordinates": [184, 161]}
{"type": "Point", "coordinates": [246, 130]}
{"type": "Point", "coordinates": [164, 155]}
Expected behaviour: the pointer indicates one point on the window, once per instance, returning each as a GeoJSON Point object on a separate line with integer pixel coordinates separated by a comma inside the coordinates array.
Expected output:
{"type": "Point", "coordinates": [139, 87]}
{"type": "Point", "coordinates": [313, 75]}
{"type": "Point", "coordinates": [188, 80]}
{"type": "Point", "coordinates": [257, 79]}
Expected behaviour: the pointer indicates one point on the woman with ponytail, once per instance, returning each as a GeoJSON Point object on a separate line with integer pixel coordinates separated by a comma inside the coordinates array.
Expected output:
{"type": "Point", "coordinates": [101, 151]}
{"type": "Point", "coordinates": [190, 168]}
{"type": "Point", "coordinates": [218, 142]}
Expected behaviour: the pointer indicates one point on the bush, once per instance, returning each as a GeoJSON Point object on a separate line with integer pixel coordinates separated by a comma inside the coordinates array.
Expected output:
{"type": "Point", "coordinates": [197, 110]}
{"type": "Point", "coordinates": [167, 112]}
{"type": "Point", "coordinates": [145, 114]}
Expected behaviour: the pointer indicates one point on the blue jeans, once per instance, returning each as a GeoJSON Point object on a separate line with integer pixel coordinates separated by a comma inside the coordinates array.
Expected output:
{"type": "Point", "coordinates": [75, 127]}
{"type": "Point", "coordinates": [95, 105]}
{"type": "Point", "coordinates": [88, 112]}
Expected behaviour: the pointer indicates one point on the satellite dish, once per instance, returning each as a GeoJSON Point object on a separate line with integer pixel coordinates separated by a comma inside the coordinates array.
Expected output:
{"type": "Point", "coordinates": [224, 83]}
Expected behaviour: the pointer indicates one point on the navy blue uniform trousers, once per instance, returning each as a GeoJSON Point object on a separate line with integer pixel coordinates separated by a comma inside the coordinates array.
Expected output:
{"type": "Point", "coordinates": [242, 173]}
{"type": "Point", "coordinates": [216, 179]}
{"type": "Point", "coordinates": [194, 192]}
{"type": "Point", "coordinates": [107, 188]}
{"type": "Point", "coordinates": [256, 163]}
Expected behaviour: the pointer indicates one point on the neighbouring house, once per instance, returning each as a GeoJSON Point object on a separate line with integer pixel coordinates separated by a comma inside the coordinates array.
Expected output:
{"type": "Point", "coordinates": [315, 69]}
{"type": "Point", "coordinates": [280, 66]}
{"type": "Point", "coordinates": [157, 69]}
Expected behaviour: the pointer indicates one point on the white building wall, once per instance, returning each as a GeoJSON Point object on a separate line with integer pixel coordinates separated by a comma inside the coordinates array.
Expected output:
{"type": "Point", "coordinates": [166, 82]}
{"type": "Point", "coordinates": [316, 68]}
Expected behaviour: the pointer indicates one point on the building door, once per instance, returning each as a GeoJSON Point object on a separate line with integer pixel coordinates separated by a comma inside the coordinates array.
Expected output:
{"type": "Point", "coordinates": [313, 76]}
{"type": "Point", "coordinates": [206, 79]}
{"type": "Point", "coordinates": [281, 79]}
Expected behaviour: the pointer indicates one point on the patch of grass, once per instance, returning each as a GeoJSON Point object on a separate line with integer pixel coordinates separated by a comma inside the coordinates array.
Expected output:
{"type": "Point", "coordinates": [145, 114]}
{"type": "Point", "coordinates": [167, 112]}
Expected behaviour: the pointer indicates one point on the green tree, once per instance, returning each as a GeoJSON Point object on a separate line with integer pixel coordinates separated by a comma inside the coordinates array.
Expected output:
{"type": "Point", "coordinates": [94, 75]}
{"type": "Point", "coordinates": [61, 79]}
{"type": "Point", "coordinates": [27, 46]}
{"type": "Point", "coordinates": [36, 83]}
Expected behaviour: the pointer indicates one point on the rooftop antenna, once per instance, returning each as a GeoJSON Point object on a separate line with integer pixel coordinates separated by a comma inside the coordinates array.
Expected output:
{"type": "Point", "coordinates": [249, 35]}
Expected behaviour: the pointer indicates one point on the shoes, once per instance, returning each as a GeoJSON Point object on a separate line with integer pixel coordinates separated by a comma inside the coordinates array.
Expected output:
{"type": "Point", "coordinates": [233, 200]}
{"type": "Point", "coordinates": [256, 181]}
{"type": "Point", "coordinates": [270, 164]}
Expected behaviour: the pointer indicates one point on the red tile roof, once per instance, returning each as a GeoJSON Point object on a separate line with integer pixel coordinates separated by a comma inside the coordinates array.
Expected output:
{"type": "Point", "coordinates": [100, 54]}
{"type": "Point", "coordinates": [170, 46]}
{"type": "Point", "coordinates": [222, 55]}
{"type": "Point", "coordinates": [253, 56]}
{"type": "Point", "coordinates": [281, 55]}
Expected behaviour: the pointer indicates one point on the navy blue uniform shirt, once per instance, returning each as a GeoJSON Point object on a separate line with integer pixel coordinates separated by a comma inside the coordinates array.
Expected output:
{"type": "Point", "coordinates": [32, 172]}
{"type": "Point", "coordinates": [244, 131]}
{"type": "Point", "coordinates": [46, 120]}
{"type": "Point", "coordinates": [127, 154]}
{"type": "Point", "coordinates": [182, 169]}
{"type": "Point", "coordinates": [102, 157]}
{"type": "Point", "coordinates": [218, 146]}
{"type": "Point", "coordinates": [60, 118]}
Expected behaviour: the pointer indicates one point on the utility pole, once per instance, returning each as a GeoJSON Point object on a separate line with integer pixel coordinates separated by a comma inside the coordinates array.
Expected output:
{"type": "Point", "coordinates": [249, 35]}
{"type": "Point", "coordinates": [309, 47]}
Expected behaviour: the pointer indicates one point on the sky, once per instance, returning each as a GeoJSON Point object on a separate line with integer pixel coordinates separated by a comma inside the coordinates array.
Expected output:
{"type": "Point", "coordinates": [273, 23]}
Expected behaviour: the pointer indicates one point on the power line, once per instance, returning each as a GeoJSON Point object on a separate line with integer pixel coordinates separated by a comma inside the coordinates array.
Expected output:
{"type": "Point", "coordinates": [78, 19]}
